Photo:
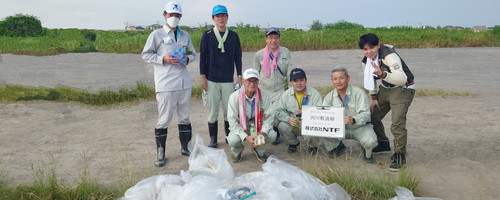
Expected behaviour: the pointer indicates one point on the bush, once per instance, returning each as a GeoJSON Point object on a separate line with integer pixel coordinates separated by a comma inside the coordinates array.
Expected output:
{"type": "Point", "coordinates": [89, 34]}
{"type": "Point", "coordinates": [21, 25]}
{"type": "Point", "coordinates": [316, 25]}
{"type": "Point", "coordinates": [496, 31]}
{"type": "Point", "coordinates": [344, 25]}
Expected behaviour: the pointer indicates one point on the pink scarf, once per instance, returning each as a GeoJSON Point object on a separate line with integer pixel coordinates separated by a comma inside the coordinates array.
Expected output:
{"type": "Point", "coordinates": [266, 59]}
{"type": "Point", "coordinates": [259, 112]}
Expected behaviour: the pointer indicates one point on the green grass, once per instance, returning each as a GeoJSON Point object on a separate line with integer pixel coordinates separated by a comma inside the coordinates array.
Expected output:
{"type": "Point", "coordinates": [364, 182]}
{"type": "Point", "coordinates": [15, 93]}
{"type": "Point", "coordinates": [420, 92]}
{"type": "Point", "coordinates": [12, 93]}
{"type": "Point", "coordinates": [58, 41]}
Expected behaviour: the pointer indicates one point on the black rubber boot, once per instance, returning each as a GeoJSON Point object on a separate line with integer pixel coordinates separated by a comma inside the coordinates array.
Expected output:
{"type": "Point", "coordinates": [278, 138]}
{"type": "Point", "coordinates": [226, 128]}
{"type": "Point", "coordinates": [185, 133]}
{"type": "Point", "coordinates": [161, 139]}
{"type": "Point", "coordinates": [212, 130]}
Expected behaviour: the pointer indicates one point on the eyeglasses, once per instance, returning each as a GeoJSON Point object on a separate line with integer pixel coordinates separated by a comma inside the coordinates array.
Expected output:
{"type": "Point", "coordinates": [254, 81]}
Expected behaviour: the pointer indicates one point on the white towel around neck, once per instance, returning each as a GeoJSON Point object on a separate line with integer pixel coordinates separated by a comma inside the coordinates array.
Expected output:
{"type": "Point", "coordinates": [369, 80]}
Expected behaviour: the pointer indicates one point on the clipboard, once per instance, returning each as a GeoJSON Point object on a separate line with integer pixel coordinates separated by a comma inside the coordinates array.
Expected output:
{"type": "Point", "coordinates": [323, 121]}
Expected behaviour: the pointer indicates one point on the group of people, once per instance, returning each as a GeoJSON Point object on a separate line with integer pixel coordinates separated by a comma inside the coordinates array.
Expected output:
{"type": "Point", "coordinates": [262, 109]}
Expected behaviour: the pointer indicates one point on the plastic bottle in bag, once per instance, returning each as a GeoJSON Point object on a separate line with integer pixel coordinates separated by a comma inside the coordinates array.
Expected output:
{"type": "Point", "coordinates": [253, 131]}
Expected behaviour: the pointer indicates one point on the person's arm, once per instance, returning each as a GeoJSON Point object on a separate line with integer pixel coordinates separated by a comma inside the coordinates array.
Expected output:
{"type": "Point", "coordinates": [282, 112]}
{"type": "Point", "coordinates": [268, 120]}
{"type": "Point", "coordinates": [237, 60]}
{"type": "Point", "coordinates": [257, 58]}
{"type": "Point", "coordinates": [362, 115]}
{"type": "Point", "coordinates": [204, 55]}
{"type": "Point", "coordinates": [191, 57]}
{"type": "Point", "coordinates": [397, 76]}
{"type": "Point", "coordinates": [233, 117]}
{"type": "Point", "coordinates": [149, 52]}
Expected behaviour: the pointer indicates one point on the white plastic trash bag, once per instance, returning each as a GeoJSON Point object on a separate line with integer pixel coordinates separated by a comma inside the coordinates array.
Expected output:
{"type": "Point", "coordinates": [281, 178]}
{"type": "Point", "coordinates": [211, 177]}
{"type": "Point", "coordinates": [406, 194]}
{"type": "Point", "coordinates": [209, 161]}
{"type": "Point", "coordinates": [155, 188]}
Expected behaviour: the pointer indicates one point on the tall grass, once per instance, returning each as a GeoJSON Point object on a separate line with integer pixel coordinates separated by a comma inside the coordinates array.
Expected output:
{"type": "Point", "coordinates": [420, 92]}
{"type": "Point", "coordinates": [58, 41]}
{"type": "Point", "coordinates": [359, 180]}
{"type": "Point", "coordinates": [11, 93]}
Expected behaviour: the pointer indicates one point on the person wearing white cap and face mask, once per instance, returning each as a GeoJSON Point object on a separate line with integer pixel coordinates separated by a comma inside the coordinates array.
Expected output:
{"type": "Point", "coordinates": [250, 106]}
{"type": "Point", "coordinates": [172, 81]}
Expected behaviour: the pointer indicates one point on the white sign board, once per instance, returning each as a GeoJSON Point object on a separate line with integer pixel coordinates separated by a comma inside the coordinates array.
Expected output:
{"type": "Point", "coordinates": [323, 121]}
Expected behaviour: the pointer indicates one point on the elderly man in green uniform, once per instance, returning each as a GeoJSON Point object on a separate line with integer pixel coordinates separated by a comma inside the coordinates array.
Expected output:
{"type": "Point", "coordinates": [273, 62]}
{"type": "Point", "coordinates": [356, 106]}
{"type": "Point", "coordinates": [250, 118]}
{"type": "Point", "coordinates": [289, 110]}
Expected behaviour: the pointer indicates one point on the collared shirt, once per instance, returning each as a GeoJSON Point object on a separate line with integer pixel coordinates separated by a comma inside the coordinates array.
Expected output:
{"type": "Point", "coordinates": [162, 42]}
{"type": "Point", "coordinates": [356, 104]}
{"type": "Point", "coordinates": [234, 118]}
{"type": "Point", "coordinates": [277, 82]}
{"type": "Point", "coordinates": [288, 103]}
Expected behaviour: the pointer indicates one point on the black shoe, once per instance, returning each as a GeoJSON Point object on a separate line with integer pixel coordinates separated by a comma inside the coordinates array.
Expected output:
{"type": "Point", "coordinates": [262, 158]}
{"type": "Point", "coordinates": [382, 147]}
{"type": "Point", "coordinates": [237, 158]}
{"type": "Point", "coordinates": [369, 160]}
{"type": "Point", "coordinates": [185, 152]}
{"type": "Point", "coordinates": [293, 148]}
{"type": "Point", "coordinates": [398, 162]}
{"type": "Point", "coordinates": [278, 138]}
{"type": "Point", "coordinates": [337, 151]}
{"type": "Point", "coordinates": [226, 129]}
{"type": "Point", "coordinates": [313, 150]}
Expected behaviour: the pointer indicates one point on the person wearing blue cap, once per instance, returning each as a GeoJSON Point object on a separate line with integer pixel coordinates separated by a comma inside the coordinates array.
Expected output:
{"type": "Point", "coordinates": [273, 62]}
{"type": "Point", "coordinates": [220, 55]}
{"type": "Point", "coordinates": [172, 81]}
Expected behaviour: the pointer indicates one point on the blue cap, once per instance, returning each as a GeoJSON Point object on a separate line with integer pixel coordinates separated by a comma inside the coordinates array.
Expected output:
{"type": "Point", "coordinates": [219, 9]}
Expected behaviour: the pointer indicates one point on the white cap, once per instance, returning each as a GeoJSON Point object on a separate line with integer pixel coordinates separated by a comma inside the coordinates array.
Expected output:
{"type": "Point", "coordinates": [250, 73]}
{"type": "Point", "coordinates": [173, 7]}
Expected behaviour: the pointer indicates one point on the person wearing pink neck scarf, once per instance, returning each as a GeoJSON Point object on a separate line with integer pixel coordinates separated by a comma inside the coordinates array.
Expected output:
{"type": "Point", "coordinates": [250, 116]}
{"type": "Point", "coordinates": [273, 63]}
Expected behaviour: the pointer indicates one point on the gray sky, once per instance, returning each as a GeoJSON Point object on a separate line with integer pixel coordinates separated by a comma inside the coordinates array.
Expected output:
{"type": "Point", "coordinates": [113, 14]}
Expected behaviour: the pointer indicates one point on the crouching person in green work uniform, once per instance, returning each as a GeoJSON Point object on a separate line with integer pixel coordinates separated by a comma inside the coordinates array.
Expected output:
{"type": "Point", "coordinates": [289, 111]}
{"type": "Point", "coordinates": [250, 118]}
{"type": "Point", "coordinates": [357, 115]}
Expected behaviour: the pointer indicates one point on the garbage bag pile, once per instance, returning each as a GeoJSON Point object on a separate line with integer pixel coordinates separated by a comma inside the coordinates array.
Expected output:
{"type": "Point", "coordinates": [210, 176]}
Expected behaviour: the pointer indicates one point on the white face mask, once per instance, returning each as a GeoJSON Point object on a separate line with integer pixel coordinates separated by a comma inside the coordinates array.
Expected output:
{"type": "Point", "coordinates": [173, 22]}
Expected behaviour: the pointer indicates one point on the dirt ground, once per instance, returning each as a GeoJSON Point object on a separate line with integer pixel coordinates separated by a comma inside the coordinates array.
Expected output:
{"type": "Point", "coordinates": [453, 143]}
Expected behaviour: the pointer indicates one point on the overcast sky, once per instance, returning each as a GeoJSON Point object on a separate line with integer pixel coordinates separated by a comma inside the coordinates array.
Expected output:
{"type": "Point", "coordinates": [114, 14]}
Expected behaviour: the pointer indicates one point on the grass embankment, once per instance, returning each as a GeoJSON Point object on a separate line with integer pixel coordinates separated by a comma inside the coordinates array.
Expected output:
{"type": "Point", "coordinates": [13, 93]}
{"type": "Point", "coordinates": [57, 41]}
